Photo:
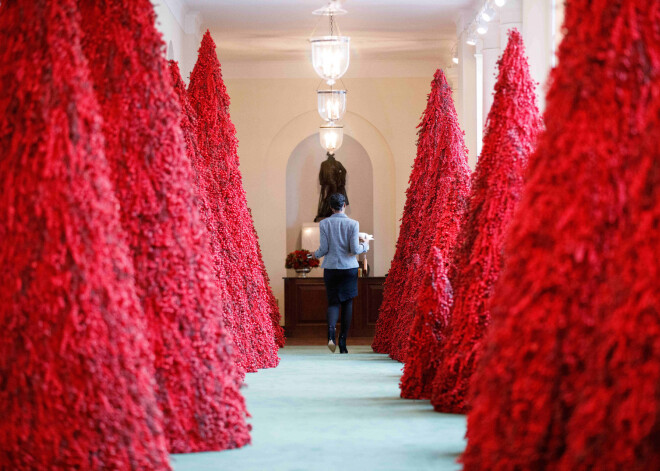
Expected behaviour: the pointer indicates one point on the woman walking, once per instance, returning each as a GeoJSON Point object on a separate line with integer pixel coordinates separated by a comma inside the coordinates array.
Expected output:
{"type": "Point", "coordinates": [340, 243]}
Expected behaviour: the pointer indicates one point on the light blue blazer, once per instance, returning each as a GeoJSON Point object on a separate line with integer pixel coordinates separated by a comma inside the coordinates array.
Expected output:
{"type": "Point", "coordinates": [339, 242]}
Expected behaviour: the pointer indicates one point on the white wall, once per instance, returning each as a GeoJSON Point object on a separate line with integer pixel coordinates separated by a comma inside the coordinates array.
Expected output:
{"type": "Point", "coordinates": [167, 24]}
{"type": "Point", "coordinates": [181, 28]}
{"type": "Point", "coordinates": [466, 99]}
{"type": "Point", "coordinates": [538, 34]}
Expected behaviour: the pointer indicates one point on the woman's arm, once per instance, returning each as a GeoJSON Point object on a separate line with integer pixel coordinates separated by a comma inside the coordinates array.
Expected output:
{"type": "Point", "coordinates": [323, 249]}
{"type": "Point", "coordinates": [356, 246]}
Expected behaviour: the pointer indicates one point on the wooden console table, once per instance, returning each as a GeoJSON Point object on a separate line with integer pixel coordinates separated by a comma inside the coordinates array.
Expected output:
{"type": "Point", "coordinates": [305, 306]}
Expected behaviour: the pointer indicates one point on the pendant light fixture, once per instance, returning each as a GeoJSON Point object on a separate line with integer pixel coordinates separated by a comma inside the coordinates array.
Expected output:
{"type": "Point", "coordinates": [331, 136]}
{"type": "Point", "coordinates": [331, 53]}
{"type": "Point", "coordinates": [331, 104]}
{"type": "Point", "coordinates": [330, 58]}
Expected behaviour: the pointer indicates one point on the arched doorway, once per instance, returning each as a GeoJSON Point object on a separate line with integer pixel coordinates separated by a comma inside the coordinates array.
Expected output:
{"type": "Point", "coordinates": [302, 187]}
{"type": "Point", "coordinates": [271, 218]}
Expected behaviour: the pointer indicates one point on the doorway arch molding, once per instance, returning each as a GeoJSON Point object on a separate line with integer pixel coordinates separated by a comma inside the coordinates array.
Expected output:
{"type": "Point", "coordinates": [275, 162]}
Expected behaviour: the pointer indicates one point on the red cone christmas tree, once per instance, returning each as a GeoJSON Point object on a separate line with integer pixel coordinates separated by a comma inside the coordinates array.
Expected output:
{"type": "Point", "coordinates": [568, 377]}
{"type": "Point", "coordinates": [435, 205]}
{"type": "Point", "coordinates": [76, 369]}
{"type": "Point", "coordinates": [254, 321]}
{"type": "Point", "coordinates": [198, 383]}
{"type": "Point", "coordinates": [615, 424]}
{"type": "Point", "coordinates": [402, 263]}
{"type": "Point", "coordinates": [188, 126]}
{"type": "Point", "coordinates": [432, 311]}
{"type": "Point", "coordinates": [511, 131]}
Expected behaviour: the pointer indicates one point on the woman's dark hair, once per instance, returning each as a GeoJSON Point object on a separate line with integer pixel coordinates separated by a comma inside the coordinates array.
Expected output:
{"type": "Point", "coordinates": [337, 200]}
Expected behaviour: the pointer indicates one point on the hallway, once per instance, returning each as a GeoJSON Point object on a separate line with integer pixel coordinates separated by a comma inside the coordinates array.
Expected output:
{"type": "Point", "coordinates": [319, 411]}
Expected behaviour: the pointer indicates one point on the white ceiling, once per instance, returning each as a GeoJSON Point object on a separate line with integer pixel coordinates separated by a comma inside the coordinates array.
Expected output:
{"type": "Point", "coordinates": [382, 30]}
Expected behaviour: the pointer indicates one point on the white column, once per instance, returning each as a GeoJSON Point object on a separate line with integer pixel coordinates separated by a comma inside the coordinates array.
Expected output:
{"type": "Point", "coordinates": [538, 21]}
{"type": "Point", "coordinates": [491, 53]}
{"type": "Point", "coordinates": [479, 94]}
{"type": "Point", "coordinates": [466, 105]}
{"type": "Point", "coordinates": [511, 16]}
{"type": "Point", "coordinates": [191, 42]}
{"type": "Point", "coordinates": [558, 7]}
{"type": "Point", "coordinates": [538, 35]}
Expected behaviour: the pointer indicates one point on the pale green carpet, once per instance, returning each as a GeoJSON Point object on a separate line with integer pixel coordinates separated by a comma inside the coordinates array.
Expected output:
{"type": "Point", "coordinates": [323, 411]}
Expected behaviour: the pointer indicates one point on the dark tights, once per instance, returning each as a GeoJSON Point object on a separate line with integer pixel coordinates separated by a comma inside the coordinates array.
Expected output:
{"type": "Point", "coordinates": [346, 316]}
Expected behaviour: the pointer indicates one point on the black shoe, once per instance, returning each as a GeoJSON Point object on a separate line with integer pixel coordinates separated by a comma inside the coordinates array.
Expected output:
{"type": "Point", "coordinates": [342, 344]}
{"type": "Point", "coordinates": [331, 339]}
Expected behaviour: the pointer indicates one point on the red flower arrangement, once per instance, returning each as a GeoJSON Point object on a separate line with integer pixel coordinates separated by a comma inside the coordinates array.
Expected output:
{"type": "Point", "coordinates": [300, 259]}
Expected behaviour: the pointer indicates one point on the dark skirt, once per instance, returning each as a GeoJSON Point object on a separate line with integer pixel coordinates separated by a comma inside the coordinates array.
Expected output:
{"type": "Point", "coordinates": [340, 285]}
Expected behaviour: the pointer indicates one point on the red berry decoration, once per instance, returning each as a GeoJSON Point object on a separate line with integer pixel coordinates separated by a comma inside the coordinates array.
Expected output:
{"type": "Point", "coordinates": [432, 311]}
{"type": "Point", "coordinates": [511, 132]}
{"type": "Point", "coordinates": [197, 379]}
{"type": "Point", "coordinates": [189, 128]}
{"type": "Point", "coordinates": [251, 315]}
{"type": "Point", "coordinates": [435, 206]}
{"type": "Point", "coordinates": [76, 369]}
{"type": "Point", "coordinates": [615, 424]}
{"type": "Point", "coordinates": [569, 377]}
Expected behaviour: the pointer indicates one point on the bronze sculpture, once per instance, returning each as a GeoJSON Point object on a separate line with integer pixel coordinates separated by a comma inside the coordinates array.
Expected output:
{"type": "Point", "coordinates": [332, 178]}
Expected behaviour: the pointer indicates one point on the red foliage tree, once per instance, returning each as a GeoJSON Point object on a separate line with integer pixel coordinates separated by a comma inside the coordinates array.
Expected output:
{"type": "Point", "coordinates": [76, 371]}
{"type": "Point", "coordinates": [569, 376]}
{"type": "Point", "coordinates": [615, 423]}
{"type": "Point", "coordinates": [435, 205]}
{"type": "Point", "coordinates": [432, 311]}
{"type": "Point", "coordinates": [511, 131]}
{"type": "Point", "coordinates": [189, 128]}
{"type": "Point", "coordinates": [198, 382]}
{"type": "Point", "coordinates": [251, 316]}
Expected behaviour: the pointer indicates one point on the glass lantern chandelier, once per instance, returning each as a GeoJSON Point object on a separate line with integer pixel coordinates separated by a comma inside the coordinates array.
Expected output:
{"type": "Point", "coordinates": [331, 136]}
{"type": "Point", "coordinates": [330, 58]}
{"type": "Point", "coordinates": [331, 104]}
{"type": "Point", "coordinates": [331, 54]}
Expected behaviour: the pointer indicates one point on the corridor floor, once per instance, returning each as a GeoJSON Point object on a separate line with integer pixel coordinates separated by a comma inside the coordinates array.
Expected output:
{"type": "Point", "coordinates": [323, 411]}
